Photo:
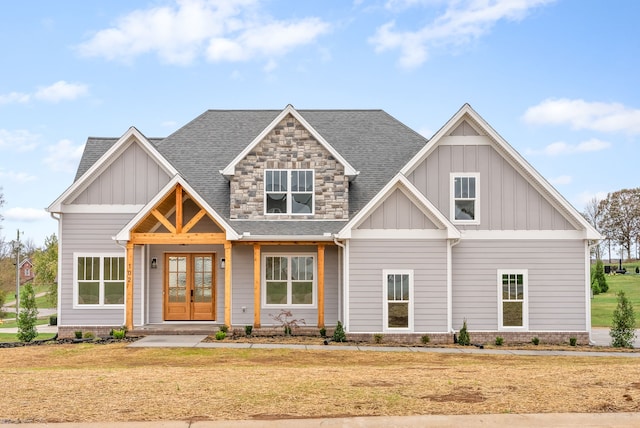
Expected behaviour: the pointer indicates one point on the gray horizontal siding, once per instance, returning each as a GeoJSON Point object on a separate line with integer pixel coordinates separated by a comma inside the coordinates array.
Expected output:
{"type": "Point", "coordinates": [88, 233]}
{"type": "Point", "coordinates": [367, 260]}
{"type": "Point", "coordinates": [556, 282]}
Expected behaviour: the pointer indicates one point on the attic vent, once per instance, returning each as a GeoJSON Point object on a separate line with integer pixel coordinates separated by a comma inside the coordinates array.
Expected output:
{"type": "Point", "coordinates": [464, 130]}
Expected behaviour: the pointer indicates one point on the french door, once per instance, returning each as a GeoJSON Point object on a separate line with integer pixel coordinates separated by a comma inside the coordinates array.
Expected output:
{"type": "Point", "coordinates": [189, 287]}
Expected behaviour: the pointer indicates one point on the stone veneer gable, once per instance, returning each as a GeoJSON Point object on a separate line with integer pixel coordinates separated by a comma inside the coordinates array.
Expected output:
{"type": "Point", "coordinates": [289, 145]}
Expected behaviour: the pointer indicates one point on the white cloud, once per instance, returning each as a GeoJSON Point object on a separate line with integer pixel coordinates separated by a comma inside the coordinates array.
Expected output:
{"type": "Point", "coordinates": [19, 177]}
{"type": "Point", "coordinates": [64, 156]}
{"type": "Point", "coordinates": [580, 114]}
{"type": "Point", "coordinates": [218, 30]}
{"type": "Point", "coordinates": [14, 97]}
{"type": "Point", "coordinates": [25, 214]}
{"type": "Point", "coordinates": [61, 91]}
{"type": "Point", "coordinates": [562, 148]}
{"type": "Point", "coordinates": [19, 140]}
{"type": "Point", "coordinates": [462, 22]}
{"type": "Point", "coordinates": [563, 179]}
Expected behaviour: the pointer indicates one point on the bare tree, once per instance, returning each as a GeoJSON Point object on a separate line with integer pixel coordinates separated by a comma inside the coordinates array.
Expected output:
{"type": "Point", "coordinates": [593, 214]}
{"type": "Point", "coordinates": [620, 220]}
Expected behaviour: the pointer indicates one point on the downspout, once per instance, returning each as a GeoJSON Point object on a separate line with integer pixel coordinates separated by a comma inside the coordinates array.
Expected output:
{"type": "Point", "coordinates": [59, 310]}
{"type": "Point", "coordinates": [588, 288]}
{"type": "Point", "coordinates": [341, 278]}
{"type": "Point", "coordinates": [450, 244]}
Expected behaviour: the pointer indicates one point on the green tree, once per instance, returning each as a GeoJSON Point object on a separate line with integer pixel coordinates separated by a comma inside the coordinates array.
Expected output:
{"type": "Point", "coordinates": [28, 314]}
{"type": "Point", "coordinates": [620, 221]}
{"type": "Point", "coordinates": [45, 267]}
{"type": "Point", "coordinates": [623, 326]}
{"type": "Point", "coordinates": [598, 278]}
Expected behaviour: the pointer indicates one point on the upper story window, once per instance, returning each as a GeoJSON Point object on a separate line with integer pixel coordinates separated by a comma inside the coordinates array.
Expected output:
{"type": "Point", "coordinates": [465, 198]}
{"type": "Point", "coordinates": [288, 191]}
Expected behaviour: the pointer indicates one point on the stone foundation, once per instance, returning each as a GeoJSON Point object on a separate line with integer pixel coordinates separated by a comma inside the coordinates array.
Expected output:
{"type": "Point", "coordinates": [69, 332]}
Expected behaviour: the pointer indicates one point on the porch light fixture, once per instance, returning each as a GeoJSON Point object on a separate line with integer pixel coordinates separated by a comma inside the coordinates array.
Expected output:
{"type": "Point", "coordinates": [221, 263]}
{"type": "Point", "coordinates": [154, 263]}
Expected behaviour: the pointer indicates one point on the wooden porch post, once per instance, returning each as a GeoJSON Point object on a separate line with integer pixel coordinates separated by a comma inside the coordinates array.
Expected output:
{"type": "Point", "coordinates": [256, 285]}
{"type": "Point", "coordinates": [227, 283]}
{"type": "Point", "coordinates": [321, 285]}
{"type": "Point", "coordinates": [129, 287]}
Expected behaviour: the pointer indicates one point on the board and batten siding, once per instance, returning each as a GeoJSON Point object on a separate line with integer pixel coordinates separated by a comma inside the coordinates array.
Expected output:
{"type": "Point", "coordinates": [507, 199]}
{"type": "Point", "coordinates": [368, 258]}
{"type": "Point", "coordinates": [132, 179]}
{"type": "Point", "coordinates": [242, 288]}
{"type": "Point", "coordinates": [556, 287]}
{"type": "Point", "coordinates": [89, 233]}
{"type": "Point", "coordinates": [397, 212]}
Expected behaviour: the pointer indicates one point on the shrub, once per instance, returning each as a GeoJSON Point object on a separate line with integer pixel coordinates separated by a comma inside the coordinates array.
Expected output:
{"type": "Point", "coordinates": [78, 334]}
{"type": "Point", "coordinates": [573, 341]}
{"type": "Point", "coordinates": [425, 339]}
{"type": "Point", "coordinates": [28, 315]}
{"type": "Point", "coordinates": [339, 334]}
{"type": "Point", "coordinates": [535, 341]}
{"type": "Point", "coordinates": [623, 325]}
{"type": "Point", "coordinates": [463, 336]}
{"type": "Point", "coordinates": [224, 328]}
{"type": "Point", "coordinates": [89, 335]}
{"type": "Point", "coordinates": [598, 278]}
{"type": "Point", "coordinates": [323, 332]}
{"type": "Point", "coordinates": [499, 341]}
{"type": "Point", "coordinates": [248, 329]}
{"type": "Point", "coordinates": [221, 335]}
{"type": "Point", "coordinates": [286, 321]}
{"type": "Point", "coordinates": [377, 338]}
{"type": "Point", "coordinates": [119, 334]}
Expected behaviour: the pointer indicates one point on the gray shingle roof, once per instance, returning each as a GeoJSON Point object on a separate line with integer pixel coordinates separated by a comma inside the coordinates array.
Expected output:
{"type": "Point", "coordinates": [372, 141]}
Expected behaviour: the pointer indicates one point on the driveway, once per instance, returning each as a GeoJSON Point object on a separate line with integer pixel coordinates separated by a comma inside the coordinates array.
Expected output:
{"type": "Point", "coordinates": [600, 337]}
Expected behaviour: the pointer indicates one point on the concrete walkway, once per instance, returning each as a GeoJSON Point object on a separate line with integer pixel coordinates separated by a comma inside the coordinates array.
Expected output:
{"type": "Point", "coordinates": [567, 420]}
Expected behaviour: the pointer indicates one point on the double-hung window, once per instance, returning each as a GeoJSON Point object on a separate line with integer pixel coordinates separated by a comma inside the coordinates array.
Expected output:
{"type": "Point", "coordinates": [99, 280]}
{"type": "Point", "coordinates": [398, 299]}
{"type": "Point", "coordinates": [512, 303]}
{"type": "Point", "coordinates": [289, 280]}
{"type": "Point", "coordinates": [288, 191]}
{"type": "Point", "coordinates": [465, 198]}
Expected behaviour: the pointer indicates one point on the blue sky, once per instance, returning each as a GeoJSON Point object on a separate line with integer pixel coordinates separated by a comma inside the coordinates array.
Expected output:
{"type": "Point", "coordinates": [557, 79]}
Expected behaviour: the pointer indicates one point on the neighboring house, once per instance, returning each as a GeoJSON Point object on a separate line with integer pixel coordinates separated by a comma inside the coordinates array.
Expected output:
{"type": "Point", "coordinates": [26, 271]}
{"type": "Point", "coordinates": [331, 214]}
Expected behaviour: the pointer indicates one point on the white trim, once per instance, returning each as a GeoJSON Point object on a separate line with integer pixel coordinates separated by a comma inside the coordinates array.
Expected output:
{"type": "Point", "coordinates": [101, 209]}
{"type": "Point", "coordinates": [385, 301]}
{"type": "Point", "coordinates": [475, 199]}
{"type": "Point", "coordinates": [400, 182]}
{"type": "Point", "coordinates": [130, 137]}
{"type": "Point", "coordinates": [100, 255]}
{"type": "Point", "coordinates": [349, 170]}
{"type": "Point", "coordinates": [124, 233]}
{"type": "Point", "coordinates": [510, 155]}
{"type": "Point", "coordinates": [263, 281]}
{"type": "Point", "coordinates": [143, 270]}
{"type": "Point", "coordinates": [457, 140]}
{"type": "Point", "coordinates": [525, 299]}
{"type": "Point", "coordinates": [289, 193]}
{"type": "Point", "coordinates": [398, 234]}
{"type": "Point", "coordinates": [540, 235]}
{"type": "Point", "coordinates": [347, 284]}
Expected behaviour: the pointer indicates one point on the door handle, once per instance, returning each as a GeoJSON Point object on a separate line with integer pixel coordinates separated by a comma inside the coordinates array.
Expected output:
{"type": "Point", "coordinates": [191, 296]}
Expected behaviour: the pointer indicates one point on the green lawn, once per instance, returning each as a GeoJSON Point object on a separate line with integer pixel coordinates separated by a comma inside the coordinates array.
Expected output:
{"type": "Point", "coordinates": [603, 305]}
{"type": "Point", "coordinates": [11, 337]}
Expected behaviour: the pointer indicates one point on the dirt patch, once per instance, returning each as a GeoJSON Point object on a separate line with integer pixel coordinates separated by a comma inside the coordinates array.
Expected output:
{"type": "Point", "coordinates": [461, 395]}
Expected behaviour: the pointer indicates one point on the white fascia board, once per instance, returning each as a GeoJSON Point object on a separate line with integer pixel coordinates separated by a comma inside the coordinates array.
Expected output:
{"type": "Point", "coordinates": [107, 159]}
{"type": "Point", "coordinates": [124, 233]}
{"type": "Point", "coordinates": [286, 238]}
{"type": "Point", "coordinates": [349, 170]}
{"type": "Point", "coordinates": [557, 201]}
{"type": "Point", "coordinates": [400, 182]}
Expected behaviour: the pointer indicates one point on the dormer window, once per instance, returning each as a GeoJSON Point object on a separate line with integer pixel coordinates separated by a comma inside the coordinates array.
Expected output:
{"type": "Point", "coordinates": [288, 191]}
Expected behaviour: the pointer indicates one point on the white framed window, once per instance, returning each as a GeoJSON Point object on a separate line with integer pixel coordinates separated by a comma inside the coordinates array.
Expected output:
{"type": "Point", "coordinates": [288, 191]}
{"type": "Point", "coordinates": [99, 280]}
{"type": "Point", "coordinates": [289, 280]}
{"type": "Point", "coordinates": [465, 198]}
{"type": "Point", "coordinates": [397, 308]}
{"type": "Point", "coordinates": [513, 311]}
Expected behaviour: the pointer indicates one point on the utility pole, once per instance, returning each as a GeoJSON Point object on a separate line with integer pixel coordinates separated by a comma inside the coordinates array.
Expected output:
{"type": "Point", "coordinates": [17, 248]}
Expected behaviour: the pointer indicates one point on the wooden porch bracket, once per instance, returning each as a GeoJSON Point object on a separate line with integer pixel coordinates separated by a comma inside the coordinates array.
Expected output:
{"type": "Point", "coordinates": [227, 283]}
{"type": "Point", "coordinates": [321, 285]}
{"type": "Point", "coordinates": [129, 288]}
{"type": "Point", "coordinates": [256, 285]}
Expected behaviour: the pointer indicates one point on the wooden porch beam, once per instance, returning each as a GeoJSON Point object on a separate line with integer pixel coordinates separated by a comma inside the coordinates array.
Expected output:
{"type": "Point", "coordinates": [256, 285]}
{"type": "Point", "coordinates": [321, 286]}
{"type": "Point", "coordinates": [196, 218]}
{"type": "Point", "coordinates": [227, 283]}
{"type": "Point", "coordinates": [162, 219]}
{"type": "Point", "coordinates": [129, 287]}
{"type": "Point", "coordinates": [175, 238]}
{"type": "Point", "coordinates": [178, 208]}
{"type": "Point", "coordinates": [310, 243]}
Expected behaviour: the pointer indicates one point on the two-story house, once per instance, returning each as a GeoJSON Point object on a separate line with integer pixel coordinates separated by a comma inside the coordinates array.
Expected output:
{"type": "Point", "coordinates": [334, 215]}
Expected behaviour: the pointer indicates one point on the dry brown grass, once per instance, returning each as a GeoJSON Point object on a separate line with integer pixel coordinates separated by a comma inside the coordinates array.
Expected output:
{"type": "Point", "coordinates": [114, 383]}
